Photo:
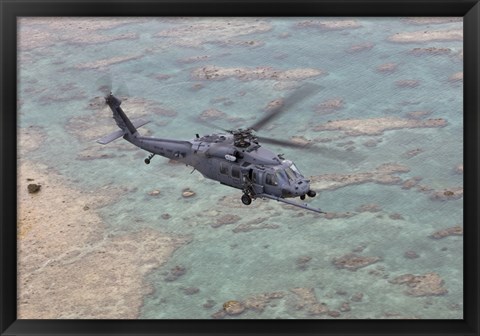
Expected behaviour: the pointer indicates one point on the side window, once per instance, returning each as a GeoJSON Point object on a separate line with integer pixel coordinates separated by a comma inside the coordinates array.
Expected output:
{"type": "Point", "coordinates": [271, 179]}
{"type": "Point", "coordinates": [223, 168]}
{"type": "Point", "coordinates": [254, 177]}
{"type": "Point", "coordinates": [235, 172]}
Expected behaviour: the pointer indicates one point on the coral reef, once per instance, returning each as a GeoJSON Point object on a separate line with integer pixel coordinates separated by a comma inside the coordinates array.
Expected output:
{"type": "Point", "coordinates": [225, 220]}
{"type": "Point", "coordinates": [357, 297]}
{"type": "Point", "coordinates": [376, 126]}
{"type": "Point", "coordinates": [260, 301]}
{"type": "Point", "coordinates": [369, 208]}
{"type": "Point", "coordinates": [456, 77]}
{"type": "Point", "coordinates": [447, 194]}
{"type": "Point", "coordinates": [175, 273]}
{"type": "Point", "coordinates": [302, 262]}
{"type": "Point", "coordinates": [418, 114]}
{"type": "Point", "coordinates": [106, 62]}
{"type": "Point", "coordinates": [411, 182]}
{"type": "Point", "coordinates": [233, 307]}
{"type": "Point", "coordinates": [307, 300]}
{"type": "Point", "coordinates": [387, 67]}
{"type": "Point", "coordinates": [411, 255]}
{"type": "Point", "coordinates": [429, 284]}
{"type": "Point", "coordinates": [430, 51]}
{"type": "Point", "coordinates": [427, 36]}
{"type": "Point", "coordinates": [211, 72]}
{"type": "Point", "coordinates": [360, 47]}
{"type": "Point", "coordinates": [334, 215]}
{"type": "Point", "coordinates": [352, 261]}
{"type": "Point", "coordinates": [190, 290]}
{"type": "Point", "coordinates": [326, 24]}
{"type": "Point", "coordinates": [329, 106]}
{"type": "Point", "coordinates": [247, 227]}
{"type": "Point", "coordinates": [407, 83]}
{"type": "Point", "coordinates": [212, 114]}
{"type": "Point", "coordinates": [42, 32]}
{"type": "Point", "coordinates": [431, 20]}
{"type": "Point", "coordinates": [396, 216]}
{"type": "Point", "coordinates": [383, 174]}
{"type": "Point", "coordinates": [187, 193]}
{"type": "Point", "coordinates": [194, 34]}
{"type": "Point", "coordinates": [411, 153]}
{"type": "Point", "coordinates": [452, 231]}
{"type": "Point", "coordinates": [256, 303]}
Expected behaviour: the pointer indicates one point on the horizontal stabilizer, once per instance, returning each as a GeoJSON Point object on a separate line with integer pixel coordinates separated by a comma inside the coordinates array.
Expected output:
{"type": "Point", "coordinates": [117, 134]}
{"type": "Point", "coordinates": [112, 136]}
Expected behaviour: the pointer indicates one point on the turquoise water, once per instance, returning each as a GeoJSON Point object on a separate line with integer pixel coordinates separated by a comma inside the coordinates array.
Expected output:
{"type": "Point", "coordinates": [226, 265]}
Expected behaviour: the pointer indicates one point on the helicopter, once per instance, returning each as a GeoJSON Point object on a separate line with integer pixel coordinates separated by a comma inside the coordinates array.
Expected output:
{"type": "Point", "coordinates": [235, 158]}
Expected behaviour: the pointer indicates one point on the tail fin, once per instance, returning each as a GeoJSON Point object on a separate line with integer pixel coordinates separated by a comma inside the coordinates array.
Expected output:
{"type": "Point", "coordinates": [126, 126]}
{"type": "Point", "coordinates": [120, 117]}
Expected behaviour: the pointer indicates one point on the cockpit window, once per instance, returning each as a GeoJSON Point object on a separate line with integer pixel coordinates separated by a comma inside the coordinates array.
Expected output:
{"type": "Point", "coordinates": [290, 173]}
{"type": "Point", "coordinates": [295, 169]}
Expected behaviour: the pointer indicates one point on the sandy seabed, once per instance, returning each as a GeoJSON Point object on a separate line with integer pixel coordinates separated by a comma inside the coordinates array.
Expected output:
{"type": "Point", "coordinates": [68, 267]}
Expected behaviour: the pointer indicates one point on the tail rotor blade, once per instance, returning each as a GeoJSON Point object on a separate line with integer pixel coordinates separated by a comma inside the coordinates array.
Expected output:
{"type": "Point", "coordinates": [104, 84]}
{"type": "Point", "coordinates": [122, 90]}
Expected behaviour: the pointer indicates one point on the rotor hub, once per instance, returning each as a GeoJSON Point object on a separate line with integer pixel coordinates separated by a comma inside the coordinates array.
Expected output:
{"type": "Point", "coordinates": [243, 138]}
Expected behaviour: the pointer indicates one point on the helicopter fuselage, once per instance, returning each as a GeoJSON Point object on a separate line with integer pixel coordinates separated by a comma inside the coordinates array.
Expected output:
{"type": "Point", "coordinates": [216, 157]}
{"type": "Point", "coordinates": [234, 158]}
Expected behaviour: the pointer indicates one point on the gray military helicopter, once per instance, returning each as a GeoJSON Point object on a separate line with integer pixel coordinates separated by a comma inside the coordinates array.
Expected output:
{"type": "Point", "coordinates": [232, 157]}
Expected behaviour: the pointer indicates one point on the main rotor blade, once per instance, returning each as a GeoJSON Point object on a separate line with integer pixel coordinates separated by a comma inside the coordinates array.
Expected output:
{"type": "Point", "coordinates": [327, 152]}
{"type": "Point", "coordinates": [210, 125]}
{"type": "Point", "coordinates": [298, 95]}
{"type": "Point", "coordinates": [283, 143]}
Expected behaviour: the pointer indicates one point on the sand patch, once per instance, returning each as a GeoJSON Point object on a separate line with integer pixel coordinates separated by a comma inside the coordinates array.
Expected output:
{"type": "Point", "coordinates": [68, 266]}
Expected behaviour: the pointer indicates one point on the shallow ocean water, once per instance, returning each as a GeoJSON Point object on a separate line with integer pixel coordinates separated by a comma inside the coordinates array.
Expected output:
{"type": "Point", "coordinates": [55, 91]}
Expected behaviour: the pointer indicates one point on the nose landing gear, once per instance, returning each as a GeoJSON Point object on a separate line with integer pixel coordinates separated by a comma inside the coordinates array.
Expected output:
{"type": "Point", "coordinates": [310, 193]}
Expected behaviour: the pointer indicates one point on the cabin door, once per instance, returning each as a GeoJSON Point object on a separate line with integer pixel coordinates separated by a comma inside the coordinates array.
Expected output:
{"type": "Point", "coordinates": [256, 177]}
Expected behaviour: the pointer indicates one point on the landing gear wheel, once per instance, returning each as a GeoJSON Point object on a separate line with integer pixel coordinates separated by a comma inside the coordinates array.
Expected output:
{"type": "Point", "coordinates": [302, 197]}
{"type": "Point", "coordinates": [311, 193]}
{"type": "Point", "coordinates": [147, 161]}
{"type": "Point", "coordinates": [246, 199]}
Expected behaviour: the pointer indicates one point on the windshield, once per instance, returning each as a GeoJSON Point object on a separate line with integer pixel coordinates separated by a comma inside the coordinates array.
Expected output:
{"type": "Point", "coordinates": [291, 174]}
{"type": "Point", "coordinates": [295, 169]}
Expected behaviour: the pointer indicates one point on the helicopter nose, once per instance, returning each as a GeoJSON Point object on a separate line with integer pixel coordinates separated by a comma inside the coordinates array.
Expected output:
{"type": "Point", "coordinates": [301, 187]}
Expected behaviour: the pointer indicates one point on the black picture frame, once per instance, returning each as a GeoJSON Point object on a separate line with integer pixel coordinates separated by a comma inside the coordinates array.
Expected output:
{"type": "Point", "coordinates": [10, 10]}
